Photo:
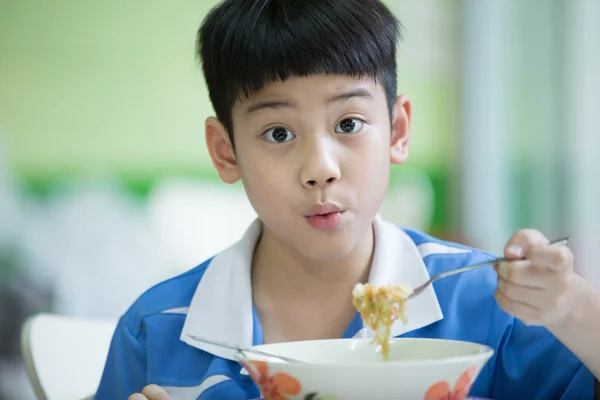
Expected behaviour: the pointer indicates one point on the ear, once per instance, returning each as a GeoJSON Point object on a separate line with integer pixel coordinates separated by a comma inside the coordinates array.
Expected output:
{"type": "Point", "coordinates": [400, 130]}
{"type": "Point", "coordinates": [221, 150]}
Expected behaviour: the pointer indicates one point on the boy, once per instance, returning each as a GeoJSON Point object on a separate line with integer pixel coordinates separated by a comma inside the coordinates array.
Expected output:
{"type": "Point", "coordinates": [308, 118]}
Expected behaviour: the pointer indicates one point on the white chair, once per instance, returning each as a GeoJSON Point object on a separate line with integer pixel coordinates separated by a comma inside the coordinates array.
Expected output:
{"type": "Point", "coordinates": [65, 356]}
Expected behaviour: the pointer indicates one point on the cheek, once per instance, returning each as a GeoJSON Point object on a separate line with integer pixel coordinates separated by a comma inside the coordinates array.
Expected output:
{"type": "Point", "coordinates": [265, 183]}
{"type": "Point", "coordinates": [370, 163]}
{"type": "Point", "coordinates": [370, 171]}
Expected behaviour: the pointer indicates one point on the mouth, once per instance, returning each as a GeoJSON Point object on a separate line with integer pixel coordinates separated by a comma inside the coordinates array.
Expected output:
{"type": "Point", "coordinates": [325, 217]}
{"type": "Point", "coordinates": [324, 209]}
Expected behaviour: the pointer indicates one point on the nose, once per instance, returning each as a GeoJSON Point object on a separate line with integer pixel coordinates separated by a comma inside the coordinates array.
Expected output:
{"type": "Point", "coordinates": [320, 168]}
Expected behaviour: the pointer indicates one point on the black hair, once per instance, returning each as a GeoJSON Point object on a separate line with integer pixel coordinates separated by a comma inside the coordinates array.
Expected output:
{"type": "Point", "coordinates": [245, 44]}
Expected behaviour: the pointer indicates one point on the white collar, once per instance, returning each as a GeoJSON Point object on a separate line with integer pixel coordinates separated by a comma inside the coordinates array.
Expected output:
{"type": "Point", "coordinates": [221, 308]}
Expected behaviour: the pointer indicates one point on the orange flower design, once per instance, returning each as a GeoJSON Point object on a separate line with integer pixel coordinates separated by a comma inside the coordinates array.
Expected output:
{"type": "Point", "coordinates": [443, 391]}
{"type": "Point", "coordinates": [274, 387]}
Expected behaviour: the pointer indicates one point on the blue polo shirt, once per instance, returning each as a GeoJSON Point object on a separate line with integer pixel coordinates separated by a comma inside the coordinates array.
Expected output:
{"type": "Point", "coordinates": [152, 342]}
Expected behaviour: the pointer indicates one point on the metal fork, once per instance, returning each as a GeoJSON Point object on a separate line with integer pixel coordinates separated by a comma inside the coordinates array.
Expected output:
{"type": "Point", "coordinates": [417, 291]}
{"type": "Point", "coordinates": [242, 351]}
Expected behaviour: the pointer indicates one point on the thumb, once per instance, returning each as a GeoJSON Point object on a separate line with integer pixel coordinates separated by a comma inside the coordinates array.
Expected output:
{"type": "Point", "coordinates": [154, 392]}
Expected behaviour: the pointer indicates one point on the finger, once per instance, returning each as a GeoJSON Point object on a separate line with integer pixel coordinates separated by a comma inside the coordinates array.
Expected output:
{"type": "Point", "coordinates": [556, 258]}
{"type": "Point", "coordinates": [523, 239]}
{"type": "Point", "coordinates": [524, 273]}
{"type": "Point", "coordinates": [532, 297]}
{"type": "Point", "coordinates": [537, 299]}
{"type": "Point", "coordinates": [154, 392]}
{"type": "Point", "coordinates": [522, 311]}
{"type": "Point", "coordinates": [137, 396]}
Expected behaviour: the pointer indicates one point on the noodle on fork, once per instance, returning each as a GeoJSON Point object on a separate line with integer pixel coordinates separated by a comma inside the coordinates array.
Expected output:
{"type": "Point", "coordinates": [379, 308]}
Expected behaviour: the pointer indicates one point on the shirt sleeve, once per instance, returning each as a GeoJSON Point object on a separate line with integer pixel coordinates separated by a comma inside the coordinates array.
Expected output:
{"type": "Point", "coordinates": [125, 368]}
{"type": "Point", "coordinates": [532, 364]}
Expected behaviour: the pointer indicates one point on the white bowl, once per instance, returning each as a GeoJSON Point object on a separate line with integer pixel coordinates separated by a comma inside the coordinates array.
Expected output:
{"type": "Point", "coordinates": [347, 369]}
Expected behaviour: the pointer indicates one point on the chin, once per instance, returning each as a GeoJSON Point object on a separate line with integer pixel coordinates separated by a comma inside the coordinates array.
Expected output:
{"type": "Point", "coordinates": [327, 249]}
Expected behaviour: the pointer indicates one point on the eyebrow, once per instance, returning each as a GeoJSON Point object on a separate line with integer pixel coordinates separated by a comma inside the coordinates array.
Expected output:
{"type": "Point", "coordinates": [343, 96]}
{"type": "Point", "coordinates": [261, 105]}
{"type": "Point", "coordinates": [339, 97]}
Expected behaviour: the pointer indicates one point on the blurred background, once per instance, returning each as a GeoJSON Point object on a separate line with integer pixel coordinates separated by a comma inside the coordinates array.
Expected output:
{"type": "Point", "coordinates": [106, 187]}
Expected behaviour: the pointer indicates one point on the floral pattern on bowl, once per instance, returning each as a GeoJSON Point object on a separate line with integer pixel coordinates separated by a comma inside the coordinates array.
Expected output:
{"type": "Point", "coordinates": [280, 385]}
{"type": "Point", "coordinates": [443, 391]}
{"type": "Point", "coordinates": [272, 387]}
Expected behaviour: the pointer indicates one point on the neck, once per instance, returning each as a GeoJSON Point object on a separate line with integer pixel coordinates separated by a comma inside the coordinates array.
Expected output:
{"type": "Point", "coordinates": [279, 271]}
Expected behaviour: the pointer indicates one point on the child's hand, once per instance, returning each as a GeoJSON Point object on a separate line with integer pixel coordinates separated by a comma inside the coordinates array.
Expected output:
{"type": "Point", "coordinates": [151, 392]}
{"type": "Point", "coordinates": [535, 286]}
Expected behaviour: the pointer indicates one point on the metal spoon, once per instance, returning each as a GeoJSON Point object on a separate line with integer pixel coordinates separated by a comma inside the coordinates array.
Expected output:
{"type": "Point", "coordinates": [417, 291]}
{"type": "Point", "coordinates": [242, 351]}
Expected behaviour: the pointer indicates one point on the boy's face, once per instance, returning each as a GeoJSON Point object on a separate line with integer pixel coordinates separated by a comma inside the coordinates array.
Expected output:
{"type": "Point", "coordinates": [316, 145]}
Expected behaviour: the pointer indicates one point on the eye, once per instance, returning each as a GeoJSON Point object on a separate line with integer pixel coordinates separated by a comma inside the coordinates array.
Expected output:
{"type": "Point", "coordinates": [278, 135]}
{"type": "Point", "coordinates": [349, 125]}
